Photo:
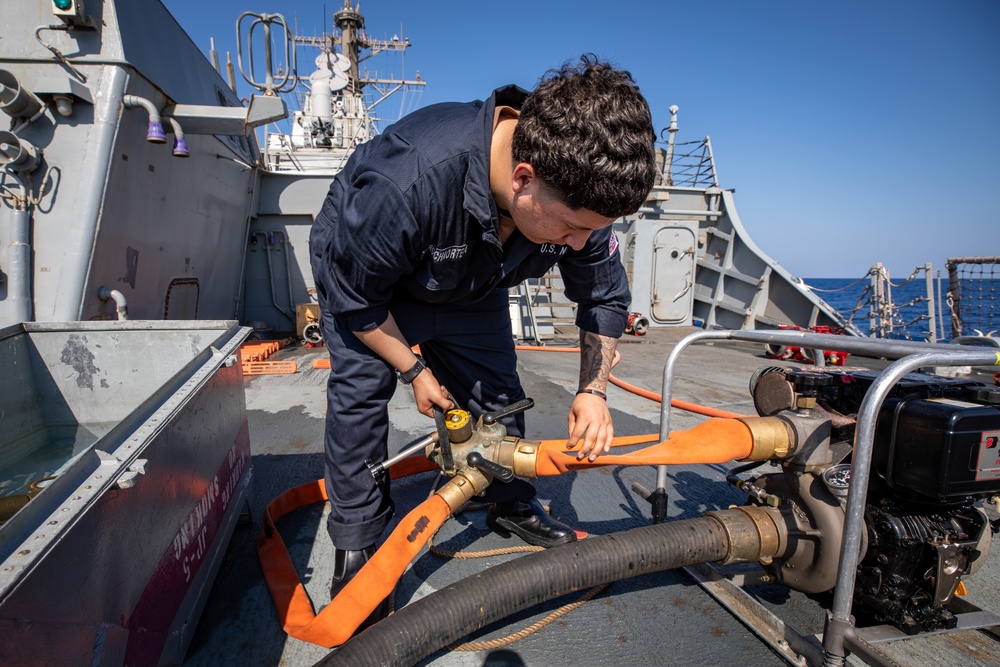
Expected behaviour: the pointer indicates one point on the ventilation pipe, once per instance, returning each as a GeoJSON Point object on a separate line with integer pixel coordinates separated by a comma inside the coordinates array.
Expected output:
{"type": "Point", "coordinates": [19, 269]}
{"type": "Point", "coordinates": [19, 157]}
{"type": "Point", "coordinates": [180, 146]}
{"type": "Point", "coordinates": [15, 100]}
{"type": "Point", "coordinates": [155, 133]}
{"type": "Point", "coordinates": [121, 306]}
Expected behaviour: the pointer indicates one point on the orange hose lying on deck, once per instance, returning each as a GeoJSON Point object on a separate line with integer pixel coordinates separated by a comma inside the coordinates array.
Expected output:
{"type": "Point", "coordinates": [674, 402]}
{"type": "Point", "coordinates": [412, 465]}
{"type": "Point", "coordinates": [638, 391]}
{"type": "Point", "coordinates": [377, 579]}
{"type": "Point", "coordinates": [718, 440]}
{"type": "Point", "coordinates": [714, 441]}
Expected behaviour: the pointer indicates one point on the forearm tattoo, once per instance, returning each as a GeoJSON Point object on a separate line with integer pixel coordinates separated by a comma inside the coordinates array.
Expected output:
{"type": "Point", "coordinates": [596, 354]}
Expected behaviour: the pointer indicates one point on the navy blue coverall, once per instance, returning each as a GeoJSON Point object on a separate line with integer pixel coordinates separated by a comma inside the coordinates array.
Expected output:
{"type": "Point", "coordinates": [410, 227]}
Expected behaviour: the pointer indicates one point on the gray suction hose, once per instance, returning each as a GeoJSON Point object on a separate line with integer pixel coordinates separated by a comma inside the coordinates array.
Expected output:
{"type": "Point", "coordinates": [420, 628]}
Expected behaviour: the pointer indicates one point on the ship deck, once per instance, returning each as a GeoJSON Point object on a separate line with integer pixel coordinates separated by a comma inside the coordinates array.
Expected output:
{"type": "Point", "coordinates": [662, 619]}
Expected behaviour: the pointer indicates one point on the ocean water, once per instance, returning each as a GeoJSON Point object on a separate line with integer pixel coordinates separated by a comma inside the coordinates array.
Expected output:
{"type": "Point", "coordinates": [844, 294]}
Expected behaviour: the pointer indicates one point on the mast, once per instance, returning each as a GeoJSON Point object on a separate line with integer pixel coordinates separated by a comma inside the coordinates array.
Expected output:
{"type": "Point", "coordinates": [351, 23]}
{"type": "Point", "coordinates": [337, 100]}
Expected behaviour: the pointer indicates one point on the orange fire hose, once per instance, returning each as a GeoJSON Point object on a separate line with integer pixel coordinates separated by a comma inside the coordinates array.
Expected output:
{"type": "Point", "coordinates": [718, 440]}
{"type": "Point", "coordinates": [674, 402]}
{"type": "Point", "coordinates": [335, 624]}
{"type": "Point", "coordinates": [714, 441]}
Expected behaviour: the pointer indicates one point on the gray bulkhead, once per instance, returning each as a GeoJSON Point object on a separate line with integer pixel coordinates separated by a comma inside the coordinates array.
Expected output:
{"type": "Point", "coordinates": [278, 276]}
{"type": "Point", "coordinates": [117, 211]}
{"type": "Point", "coordinates": [690, 261]}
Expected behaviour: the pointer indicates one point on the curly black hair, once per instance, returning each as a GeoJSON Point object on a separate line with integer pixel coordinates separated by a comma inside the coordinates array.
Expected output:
{"type": "Point", "coordinates": [587, 132]}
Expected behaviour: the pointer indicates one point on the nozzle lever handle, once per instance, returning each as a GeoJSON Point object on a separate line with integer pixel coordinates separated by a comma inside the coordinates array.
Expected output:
{"type": "Point", "coordinates": [476, 460]}
{"type": "Point", "coordinates": [512, 409]}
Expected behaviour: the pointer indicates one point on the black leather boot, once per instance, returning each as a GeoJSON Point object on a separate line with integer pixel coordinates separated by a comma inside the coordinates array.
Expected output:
{"type": "Point", "coordinates": [529, 521]}
{"type": "Point", "coordinates": [346, 565]}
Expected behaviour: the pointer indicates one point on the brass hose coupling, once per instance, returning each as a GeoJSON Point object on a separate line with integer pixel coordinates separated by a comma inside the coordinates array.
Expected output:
{"type": "Point", "coordinates": [754, 533]}
{"type": "Point", "coordinates": [480, 455]}
{"type": "Point", "coordinates": [518, 455]}
{"type": "Point", "coordinates": [467, 483]}
{"type": "Point", "coordinates": [772, 438]}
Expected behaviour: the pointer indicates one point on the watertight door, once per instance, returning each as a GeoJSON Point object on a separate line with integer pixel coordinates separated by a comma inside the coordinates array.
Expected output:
{"type": "Point", "coordinates": [672, 295]}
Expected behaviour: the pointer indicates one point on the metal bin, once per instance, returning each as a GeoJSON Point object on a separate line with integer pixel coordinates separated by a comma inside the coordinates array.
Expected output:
{"type": "Point", "coordinates": [124, 465]}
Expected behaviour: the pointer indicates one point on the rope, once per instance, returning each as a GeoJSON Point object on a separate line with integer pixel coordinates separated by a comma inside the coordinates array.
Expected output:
{"type": "Point", "coordinates": [531, 629]}
{"type": "Point", "coordinates": [444, 553]}
{"type": "Point", "coordinates": [908, 279]}
{"type": "Point", "coordinates": [840, 289]}
{"type": "Point", "coordinates": [524, 632]}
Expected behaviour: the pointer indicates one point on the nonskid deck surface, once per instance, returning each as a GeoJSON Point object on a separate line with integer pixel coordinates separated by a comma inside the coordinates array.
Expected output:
{"type": "Point", "coordinates": [660, 619]}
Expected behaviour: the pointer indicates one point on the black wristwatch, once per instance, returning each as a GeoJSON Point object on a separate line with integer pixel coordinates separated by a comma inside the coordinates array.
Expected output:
{"type": "Point", "coordinates": [410, 375]}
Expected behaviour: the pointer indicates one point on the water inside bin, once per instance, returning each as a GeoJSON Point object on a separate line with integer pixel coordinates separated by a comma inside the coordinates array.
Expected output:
{"type": "Point", "coordinates": [46, 452]}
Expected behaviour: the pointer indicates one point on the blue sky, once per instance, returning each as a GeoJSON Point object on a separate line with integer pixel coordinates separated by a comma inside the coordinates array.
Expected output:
{"type": "Point", "coordinates": [853, 132]}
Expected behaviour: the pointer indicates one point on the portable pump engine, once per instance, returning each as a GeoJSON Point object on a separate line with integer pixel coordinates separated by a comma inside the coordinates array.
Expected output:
{"type": "Point", "coordinates": [935, 460]}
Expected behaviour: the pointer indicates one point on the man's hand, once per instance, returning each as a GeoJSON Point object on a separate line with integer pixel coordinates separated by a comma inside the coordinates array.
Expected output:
{"type": "Point", "coordinates": [387, 341]}
{"type": "Point", "coordinates": [428, 392]}
{"type": "Point", "coordinates": [589, 418]}
{"type": "Point", "coordinates": [590, 423]}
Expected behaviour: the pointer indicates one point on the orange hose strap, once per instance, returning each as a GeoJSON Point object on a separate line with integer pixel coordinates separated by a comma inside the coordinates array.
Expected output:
{"type": "Point", "coordinates": [335, 624]}
{"type": "Point", "coordinates": [714, 441]}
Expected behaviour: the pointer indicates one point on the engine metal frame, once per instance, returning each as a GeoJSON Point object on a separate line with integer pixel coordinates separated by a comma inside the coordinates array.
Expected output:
{"type": "Point", "coordinates": [840, 635]}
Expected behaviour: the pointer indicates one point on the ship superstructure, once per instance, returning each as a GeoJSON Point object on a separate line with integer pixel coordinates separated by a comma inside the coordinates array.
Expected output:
{"type": "Point", "coordinates": [127, 448]}
{"type": "Point", "coordinates": [337, 101]}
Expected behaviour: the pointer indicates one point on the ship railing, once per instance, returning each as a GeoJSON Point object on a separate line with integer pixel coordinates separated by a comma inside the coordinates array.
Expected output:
{"type": "Point", "coordinates": [973, 297]}
{"type": "Point", "coordinates": [276, 148]}
{"type": "Point", "coordinates": [887, 318]}
{"type": "Point", "coordinates": [688, 164]}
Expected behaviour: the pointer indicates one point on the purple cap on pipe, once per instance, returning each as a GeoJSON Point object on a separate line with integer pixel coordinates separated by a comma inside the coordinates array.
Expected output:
{"type": "Point", "coordinates": [155, 134]}
{"type": "Point", "coordinates": [180, 148]}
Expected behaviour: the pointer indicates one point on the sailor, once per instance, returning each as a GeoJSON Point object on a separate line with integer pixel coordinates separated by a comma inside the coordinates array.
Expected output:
{"type": "Point", "coordinates": [417, 242]}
